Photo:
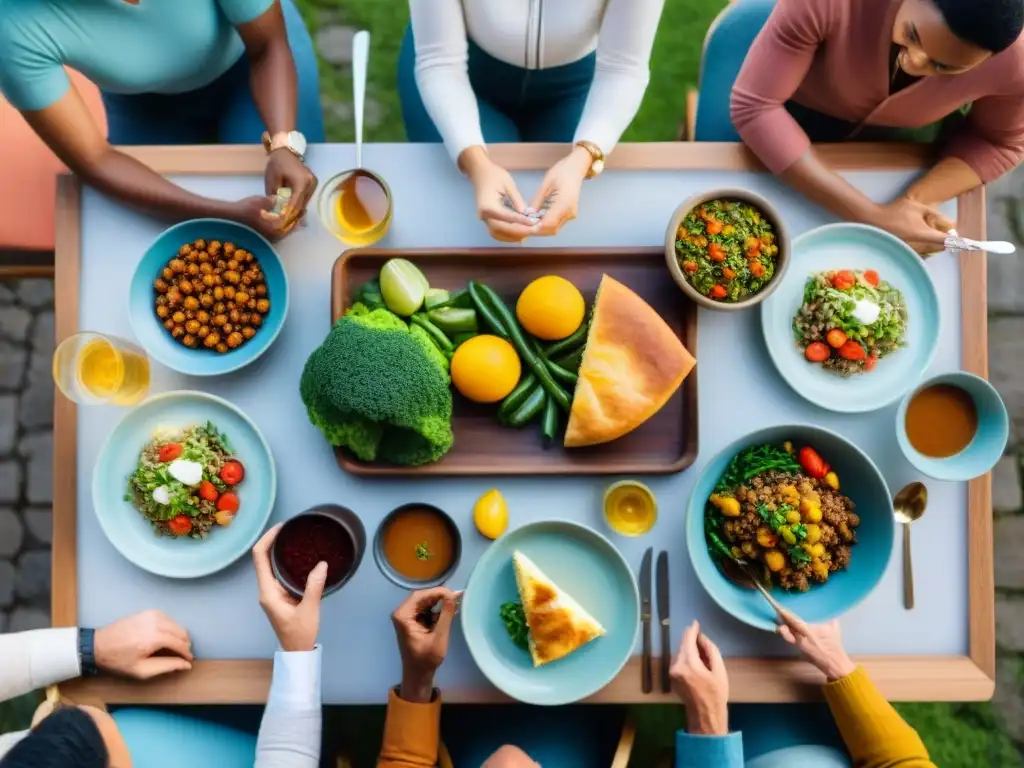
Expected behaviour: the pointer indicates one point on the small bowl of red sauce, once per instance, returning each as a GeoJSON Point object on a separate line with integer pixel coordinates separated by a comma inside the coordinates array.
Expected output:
{"type": "Point", "coordinates": [327, 532]}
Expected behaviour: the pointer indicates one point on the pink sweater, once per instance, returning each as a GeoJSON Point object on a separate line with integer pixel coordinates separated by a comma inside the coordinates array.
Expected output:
{"type": "Point", "coordinates": [833, 56]}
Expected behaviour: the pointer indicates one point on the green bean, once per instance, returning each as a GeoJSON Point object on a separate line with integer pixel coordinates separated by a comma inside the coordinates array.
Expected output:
{"type": "Point", "coordinates": [526, 351]}
{"type": "Point", "coordinates": [571, 361]}
{"type": "Point", "coordinates": [561, 374]}
{"type": "Point", "coordinates": [516, 397]}
{"type": "Point", "coordinates": [459, 300]}
{"type": "Point", "coordinates": [549, 424]}
{"type": "Point", "coordinates": [569, 344]}
{"type": "Point", "coordinates": [529, 409]}
{"type": "Point", "coordinates": [718, 544]}
{"type": "Point", "coordinates": [484, 310]}
{"type": "Point", "coordinates": [436, 334]}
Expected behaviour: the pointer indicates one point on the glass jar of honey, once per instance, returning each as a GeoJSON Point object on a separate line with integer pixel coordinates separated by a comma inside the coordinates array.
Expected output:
{"type": "Point", "coordinates": [356, 207]}
{"type": "Point", "coordinates": [630, 508]}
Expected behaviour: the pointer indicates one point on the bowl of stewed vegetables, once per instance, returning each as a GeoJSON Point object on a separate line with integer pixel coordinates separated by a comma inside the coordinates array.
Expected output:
{"type": "Point", "coordinates": [208, 297]}
{"type": "Point", "coordinates": [727, 249]}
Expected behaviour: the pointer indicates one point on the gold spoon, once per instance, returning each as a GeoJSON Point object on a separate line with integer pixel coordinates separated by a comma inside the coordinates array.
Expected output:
{"type": "Point", "coordinates": [909, 505]}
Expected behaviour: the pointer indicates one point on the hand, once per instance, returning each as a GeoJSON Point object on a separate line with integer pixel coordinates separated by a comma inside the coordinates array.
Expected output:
{"type": "Point", "coordinates": [133, 646]}
{"type": "Point", "coordinates": [295, 622]}
{"type": "Point", "coordinates": [285, 169]}
{"type": "Point", "coordinates": [493, 185]}
{"type": "Point", "coordinates": [700, 680]}
{"type": "Point", "coordinates": [422, 649]}
{"type": "Point", "coordinates": [820, 644]}
{"type": "Point", "coordinates": [257, 212]}
{"type": "Point", "coordinates": [922, 227]}
{"type": "Point", "coordinates": [559, 194]}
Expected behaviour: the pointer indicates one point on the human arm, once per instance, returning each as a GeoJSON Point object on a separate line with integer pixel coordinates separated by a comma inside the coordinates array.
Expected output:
{"type": "Point", "coordinates": [290, 732]}
{"type": "Point", "coordinates": [141, 646]}
{"type": "Point", "coordinates": [874, 733]}
{"type": "Point", "coordinates": [68, 129]}
{"type": "Point", "coordinates": [412, 728]}
{"type": "Point", "coordinates": [275, 89]}
{"type": "Point", "coordinates": [700, 680]}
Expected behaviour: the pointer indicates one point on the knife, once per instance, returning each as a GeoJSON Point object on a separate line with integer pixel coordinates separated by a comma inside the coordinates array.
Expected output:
{"type": "Point", "coordinates": [666, 649]}
{"type": "Point", "coordinates": [646, 586]}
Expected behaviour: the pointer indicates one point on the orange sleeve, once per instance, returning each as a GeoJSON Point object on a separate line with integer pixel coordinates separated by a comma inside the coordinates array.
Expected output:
{"type": "Point", "coordinates": [412, 733]}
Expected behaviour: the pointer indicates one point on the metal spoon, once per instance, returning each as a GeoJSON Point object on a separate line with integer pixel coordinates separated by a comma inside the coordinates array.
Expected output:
{"type": "Point", "coordinates": [909, 505]}
{"type": "Point", "coordinates": [956, 243]}
{"type": "Point", "coordinates": [755, 580]}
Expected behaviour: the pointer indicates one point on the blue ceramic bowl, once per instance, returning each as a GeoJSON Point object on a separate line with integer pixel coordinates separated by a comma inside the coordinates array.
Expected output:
{"type": "Point", "coordinates": [853, 246]}
{"type": "Point", "coordinates": [133, 535]}
{"type": "Point", "coordinates": [989, 442]}
{"type": "Point", "coordinates": [157, 341]}
{"type": "Point", "coordinates": [590, 569]}
{"type": "Point", "coordinates": [859, 479]}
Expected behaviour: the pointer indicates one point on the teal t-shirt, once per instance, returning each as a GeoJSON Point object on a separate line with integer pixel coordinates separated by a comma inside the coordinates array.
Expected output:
{"type": "Point", "coordinates": [154, 46]}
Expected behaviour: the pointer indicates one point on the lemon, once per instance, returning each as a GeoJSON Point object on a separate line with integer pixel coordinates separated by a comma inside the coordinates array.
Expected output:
{"type": "Point", "coordinates": [485, 369]}
{"type": "Point", "coordinates": [551, 308]}
{"type": "Point", "coordinates": [490, 514]}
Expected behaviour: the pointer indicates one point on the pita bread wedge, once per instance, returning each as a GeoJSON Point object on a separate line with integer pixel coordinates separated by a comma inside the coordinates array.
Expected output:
{"type": "Point", "coordinates": [558, 624]}
{"type": "Point", "coordinates": [632, 364]}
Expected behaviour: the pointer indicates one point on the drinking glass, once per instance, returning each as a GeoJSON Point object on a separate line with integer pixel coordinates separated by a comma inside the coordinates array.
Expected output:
{"type": "Point", "coordinates": [91, 368]}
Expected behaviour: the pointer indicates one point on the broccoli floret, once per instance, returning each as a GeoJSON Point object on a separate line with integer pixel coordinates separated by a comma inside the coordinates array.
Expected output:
{"type": "Point", "coordinates": [380, 389]}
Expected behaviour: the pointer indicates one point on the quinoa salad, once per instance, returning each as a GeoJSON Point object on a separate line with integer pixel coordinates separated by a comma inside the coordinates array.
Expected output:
{"type": "Point", "coordinates": [186, 482]}
{"type": "Point", "coordinates": [726, 250]}
{"type": "Point", "coordinates": [849, 320]}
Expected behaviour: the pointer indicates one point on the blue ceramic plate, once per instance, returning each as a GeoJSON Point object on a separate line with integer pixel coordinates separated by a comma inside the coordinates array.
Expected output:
{"type": "Point", "coordinates": [157, 341]}
{"type": "Point", "coordinates": [853, 246]}
{"type": "Point", "coordinates": [859, 479]}
{"type": "Point", "coordinates": [587, 567]}
{"type": "Point", "coordinates": [132, 534]}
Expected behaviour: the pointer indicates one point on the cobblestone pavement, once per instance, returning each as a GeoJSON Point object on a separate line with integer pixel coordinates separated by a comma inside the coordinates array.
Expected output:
{"type": "Point", "coordinates": [26, 453]}
{"type": "Point", "coordinates": [26, 447]}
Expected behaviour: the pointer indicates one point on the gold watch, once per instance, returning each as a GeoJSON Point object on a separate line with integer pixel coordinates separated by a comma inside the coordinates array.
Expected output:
{"type": "Point", "coordinates": [293, 141]}
{"type": "Point", "coordinates": [597, 158]}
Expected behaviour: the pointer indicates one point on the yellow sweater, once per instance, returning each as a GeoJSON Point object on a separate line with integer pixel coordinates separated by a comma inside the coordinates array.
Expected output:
{"type": "Point", "coordinates": [874, 733]}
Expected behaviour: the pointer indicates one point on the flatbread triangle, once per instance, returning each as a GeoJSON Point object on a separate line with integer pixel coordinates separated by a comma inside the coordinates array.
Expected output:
{"type": "Point", "coordinates": [558, 624]}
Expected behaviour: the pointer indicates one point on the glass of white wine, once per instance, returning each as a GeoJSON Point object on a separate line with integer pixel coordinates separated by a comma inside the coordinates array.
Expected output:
{"type": "Point", "coordinates": [93, 368]}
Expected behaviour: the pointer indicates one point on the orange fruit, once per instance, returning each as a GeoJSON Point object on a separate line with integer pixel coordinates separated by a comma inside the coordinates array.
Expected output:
{"type": "Point", "coordinates": [485, 369]}
{"type": "Point", "coordinates": [551, 308]}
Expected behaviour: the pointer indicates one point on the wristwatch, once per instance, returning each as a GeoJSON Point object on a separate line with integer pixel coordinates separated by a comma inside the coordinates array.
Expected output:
{"type": "Point", "coordinates": [293, 141]}
{"type": "Point", "coordinates": [597, 161]}
{"type": "Point", "coordinates": [87, 652]}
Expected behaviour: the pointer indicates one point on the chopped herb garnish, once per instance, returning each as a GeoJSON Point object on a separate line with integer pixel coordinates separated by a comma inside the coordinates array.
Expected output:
{"type": "Point", "coordinates": [423, 552]}
{"type": "Point", "coordinates": [514, 618]}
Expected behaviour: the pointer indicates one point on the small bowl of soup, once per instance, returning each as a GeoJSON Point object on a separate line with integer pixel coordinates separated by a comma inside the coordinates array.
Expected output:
{"type": "Point", "coordinates": [953, 427]}
{"type": "Point", "coordinates": [417, 546]}
{"type": "Point", "coordinates": [329, 533]}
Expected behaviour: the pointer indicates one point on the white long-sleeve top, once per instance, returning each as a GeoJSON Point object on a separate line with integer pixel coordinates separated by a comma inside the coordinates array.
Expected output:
{"type": "Point", "coordinates": [290, 731]}
{"type": "Point", "coordinates": [534, 34]}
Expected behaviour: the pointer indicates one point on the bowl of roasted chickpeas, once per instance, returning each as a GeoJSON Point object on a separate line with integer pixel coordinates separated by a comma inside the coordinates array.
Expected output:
{"type": "Point", "coordinates": [208, 297]}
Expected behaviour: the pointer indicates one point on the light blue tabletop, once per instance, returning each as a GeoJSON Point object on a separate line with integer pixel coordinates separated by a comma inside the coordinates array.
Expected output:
{"type": "Point", "coordinates": [434, 207]}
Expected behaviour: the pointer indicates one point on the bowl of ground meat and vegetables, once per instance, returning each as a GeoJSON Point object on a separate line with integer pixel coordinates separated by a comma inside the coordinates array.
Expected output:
{"type": "Point", "coordinates": [798, 509]}
{"type": "Point", "coordinates": [726, 249]}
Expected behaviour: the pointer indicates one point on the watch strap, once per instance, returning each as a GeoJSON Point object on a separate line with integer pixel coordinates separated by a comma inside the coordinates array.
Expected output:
{"type": "Point", "coordinates": [87, 652]}
{"type": "Point", "coordinates": [596, 155]}
{"type": "Point", "coordinates": [280, 140]}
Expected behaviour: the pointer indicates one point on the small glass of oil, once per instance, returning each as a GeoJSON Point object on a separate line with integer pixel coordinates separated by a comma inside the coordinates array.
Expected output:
{"type": "Point", "coordinates": [356, 207]}
{"type": "Point", "coordinates": [630, 508]}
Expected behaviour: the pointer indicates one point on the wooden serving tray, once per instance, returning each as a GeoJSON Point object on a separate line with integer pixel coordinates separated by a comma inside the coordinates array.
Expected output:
{"type": "Point", "coordinates": [667, 443]}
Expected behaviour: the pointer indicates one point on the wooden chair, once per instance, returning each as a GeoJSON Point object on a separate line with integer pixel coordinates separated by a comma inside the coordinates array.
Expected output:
{"type": "Point", "coordinates": [27, 198]}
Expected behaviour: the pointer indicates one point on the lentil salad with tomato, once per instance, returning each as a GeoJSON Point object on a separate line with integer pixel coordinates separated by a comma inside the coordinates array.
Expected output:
{"type": "Point", "coordinates": [727, 250]}
{"type": "Point", "coordinates": [186, 482]}
{"type": "Point", "coordinates": [849, 320]}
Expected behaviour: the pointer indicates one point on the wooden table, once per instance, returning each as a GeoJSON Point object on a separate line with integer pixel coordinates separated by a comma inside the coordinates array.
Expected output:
{"type": "Point", "coordinates": [945, 650]}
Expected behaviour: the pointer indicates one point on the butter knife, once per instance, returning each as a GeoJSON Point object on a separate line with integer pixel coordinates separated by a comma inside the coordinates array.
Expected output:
{"type": "Point", "coordinates": [666, 648]}
{"type": "Point", "coordinates": [646, 587]}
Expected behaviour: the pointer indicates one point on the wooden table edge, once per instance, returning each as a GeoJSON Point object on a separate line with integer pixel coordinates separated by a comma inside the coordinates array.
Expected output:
{"type": "Point", "coordinates": [901, 678]}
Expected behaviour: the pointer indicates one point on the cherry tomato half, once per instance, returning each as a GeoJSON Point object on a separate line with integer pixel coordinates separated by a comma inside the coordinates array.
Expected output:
{"type": "Point", "coordinates": [812, 463]}
{"type": "Point", "coordinates": [228, 502]}
{"type": "Point", "coordinates": [844, 280]}
{"type": "Point", "coordinates": [180, 525]}
{"type": "Point", "coordinates": [170, 452]}
{"type": "Point", "coordinates": [817, 352]}
{"type": "Point", "coordinates": [208, 491]}
{"type": "Point", "coordinates": [232, 473]}
{"type": "Point", "coordinates": [872, 278]}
